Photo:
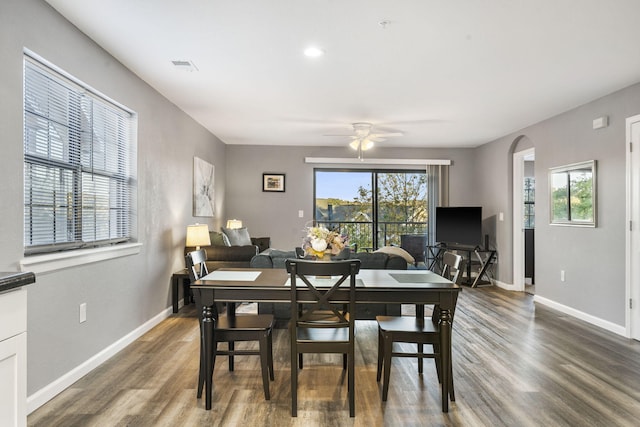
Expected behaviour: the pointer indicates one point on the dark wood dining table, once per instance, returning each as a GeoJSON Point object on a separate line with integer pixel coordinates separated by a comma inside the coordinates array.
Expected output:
{"type": "Point", "coordinates": [234, 285]}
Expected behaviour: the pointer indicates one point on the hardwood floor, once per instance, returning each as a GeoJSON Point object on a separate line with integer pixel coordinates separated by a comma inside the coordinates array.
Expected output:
{"type": "Point", "coordinates": [515, 364]}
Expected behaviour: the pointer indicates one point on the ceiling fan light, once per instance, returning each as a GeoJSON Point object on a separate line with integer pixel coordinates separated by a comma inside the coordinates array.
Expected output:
{"type": "Point", "coordinates": [366, 144]}
{"type": "Point", "coordinates": [354, 144]}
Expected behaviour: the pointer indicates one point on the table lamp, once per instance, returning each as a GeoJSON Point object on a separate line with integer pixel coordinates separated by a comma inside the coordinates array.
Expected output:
{"type": "Point", "coordinates": [234, 223]}
{"type": "Point", "coordinates": [198, 235]}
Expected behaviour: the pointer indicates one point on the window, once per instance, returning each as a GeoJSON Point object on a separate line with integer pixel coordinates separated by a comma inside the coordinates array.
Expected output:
{"type": "Point", "coordinates": [374, 208]}
{"type": "Point", "coordinates": [573, 194]}
{"type": "Point", "coordinates": [79, 164]}
{"type": "Point", "coordinates": [529, 202]}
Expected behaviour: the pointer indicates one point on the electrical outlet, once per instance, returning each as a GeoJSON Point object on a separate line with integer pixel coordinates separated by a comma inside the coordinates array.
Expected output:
{"type": "Point", "coordinates": [562, 277]}
{"type": "Point", "coordinates": [83, 312]}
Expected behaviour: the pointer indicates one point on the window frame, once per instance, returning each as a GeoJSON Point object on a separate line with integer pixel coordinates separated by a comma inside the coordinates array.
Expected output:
{"type": "Point", "coordinates": [564, 174]}
{"type": "Point", "coordinates": [108, 126]}
{"type": "Point", "coordinates": [374, 172]}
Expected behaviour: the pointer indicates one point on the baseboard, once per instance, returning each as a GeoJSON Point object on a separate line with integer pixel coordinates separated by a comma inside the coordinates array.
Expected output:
{"type": "Point", "coordinates": [49, 391]}
{"type": "Point", "coordinates": [604, 324]}
{"type": "Point", "coordinates": [502, 285]}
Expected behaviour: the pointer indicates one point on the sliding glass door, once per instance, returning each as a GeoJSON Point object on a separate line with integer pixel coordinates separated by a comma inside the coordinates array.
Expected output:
{"type": "Point", "coordinates": [373, 208]}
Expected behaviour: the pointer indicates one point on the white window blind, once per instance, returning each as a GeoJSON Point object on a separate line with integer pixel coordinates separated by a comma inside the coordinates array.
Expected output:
{"type": "Point", "coordinates": [79, 164]}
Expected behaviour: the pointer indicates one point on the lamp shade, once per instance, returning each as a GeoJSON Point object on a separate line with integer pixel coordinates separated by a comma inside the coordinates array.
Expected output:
{"type": "Point", "coordinates": [234, 223]}
{"type": "Point", "coordinates": [198, 235]}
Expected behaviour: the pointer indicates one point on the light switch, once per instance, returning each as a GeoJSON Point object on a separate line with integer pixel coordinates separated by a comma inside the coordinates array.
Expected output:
{"type": "Point", "coordinates": [83, 312]}
{"type": "Point", "coordinates": [501, 216]}
{"type": "Point", "coordinates": [300, 214]}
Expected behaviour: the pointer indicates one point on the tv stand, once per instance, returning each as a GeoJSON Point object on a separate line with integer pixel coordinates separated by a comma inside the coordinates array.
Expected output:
{"type": "Point", "coordinates": [484, 259]}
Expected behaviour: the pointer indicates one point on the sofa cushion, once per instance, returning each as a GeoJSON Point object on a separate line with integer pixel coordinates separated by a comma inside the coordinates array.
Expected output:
{"type": "Point", "coordinates": [237, 236]}
{"type": "Point", "coordinates": [218, 239]}
{"type": "Point", "coordinates": [271, 258]}
{"type": "Point", "coordinates": [394, 250]}
{"type": "Point", "coordinates": [370, 260]}
{"type": "Point", "coordinates": [231, 253]}
{"type": "Point", "coordinates": [263, 243]}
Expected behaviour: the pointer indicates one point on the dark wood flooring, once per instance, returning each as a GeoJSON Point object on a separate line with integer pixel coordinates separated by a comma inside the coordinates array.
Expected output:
{"type": "Point", "coordinates": [515, 364]}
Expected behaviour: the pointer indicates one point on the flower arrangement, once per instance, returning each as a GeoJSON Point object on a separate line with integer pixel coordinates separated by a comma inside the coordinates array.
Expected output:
{"type": "Point", "coordinates": [320, 241]}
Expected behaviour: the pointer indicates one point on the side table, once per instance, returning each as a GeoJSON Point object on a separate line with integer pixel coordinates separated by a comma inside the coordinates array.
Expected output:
{"type": "Point", "coordinates": [176, 278]}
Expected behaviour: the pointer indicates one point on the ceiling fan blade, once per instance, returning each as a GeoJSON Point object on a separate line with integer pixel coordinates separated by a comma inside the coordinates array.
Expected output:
{"type": "Point", "coordinates": [376, 138]}
{"type": "Point", "coordinates": [386, 134]}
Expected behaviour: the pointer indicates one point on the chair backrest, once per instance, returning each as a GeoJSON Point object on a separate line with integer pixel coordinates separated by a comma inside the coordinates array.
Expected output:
{"type": "Point", "coordinates": [196, 264]}
{"type": "Point", "coordinates": [314, 283]}
{"type": "Point", "coordinates": [415, 244]}
{"type": "Point", "coordinates": [451, 266]}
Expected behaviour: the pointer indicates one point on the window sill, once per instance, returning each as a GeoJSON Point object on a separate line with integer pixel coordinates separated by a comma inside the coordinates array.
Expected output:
{"type": "Point", "coordinates": [47, 263]}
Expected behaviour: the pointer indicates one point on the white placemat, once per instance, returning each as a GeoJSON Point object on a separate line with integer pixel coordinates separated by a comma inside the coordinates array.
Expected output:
{"type": "Point", "coordinates": [235, 276]}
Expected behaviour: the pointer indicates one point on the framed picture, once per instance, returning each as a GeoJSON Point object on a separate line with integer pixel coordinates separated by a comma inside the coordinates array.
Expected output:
{"type": "Point", "coordinates": [273, 182]}
{"type": "Point", "coordinates": [203, 188]}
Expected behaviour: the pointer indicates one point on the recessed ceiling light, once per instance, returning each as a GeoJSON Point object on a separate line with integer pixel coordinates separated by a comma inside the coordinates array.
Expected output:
{"type": "Point", "coordinates": [313, 52]}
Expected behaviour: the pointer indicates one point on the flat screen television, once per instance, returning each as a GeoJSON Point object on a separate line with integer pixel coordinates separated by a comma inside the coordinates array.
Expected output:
{"type": "Point", "coordinates": [459, 226]}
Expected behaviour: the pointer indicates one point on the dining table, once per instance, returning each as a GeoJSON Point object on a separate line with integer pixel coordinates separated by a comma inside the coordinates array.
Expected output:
{"type": "Point", "coordinates": [234, 285]}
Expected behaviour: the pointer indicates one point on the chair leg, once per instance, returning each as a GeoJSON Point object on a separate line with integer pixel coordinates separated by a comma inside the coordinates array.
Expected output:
{"type": "Point", "coordinates": [352, 388]}
{"type": "Point", "coordinates": [294, 374]}
{"type": "Point", "coordinates": [300, 361]}
{"type": "Point", "coordinates": [264, 364]}
{"type": "Point", "coordinates": [420, 315]}
{"type": "Point", "coordinates": [388, 344]}
{"type": "Point", "coordinates": [270, 355]}
{"type": "Point", "coordinates": [344, 361]}
{"type": "Point", "coordinates": [213, 357]}
{"type": "Point", "coordinates": [380, 355]}
{"type": "Point", "coordinates": [231, 348]}
{"type": "Point", "coordinates": [438, 360]}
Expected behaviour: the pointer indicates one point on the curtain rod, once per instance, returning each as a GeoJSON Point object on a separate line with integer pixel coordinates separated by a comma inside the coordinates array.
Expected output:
{"type": "Point", "coordinates": [355, 161]}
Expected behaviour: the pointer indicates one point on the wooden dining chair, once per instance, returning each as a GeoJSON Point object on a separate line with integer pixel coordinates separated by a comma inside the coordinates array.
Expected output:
{"type": "Point", "coordinates": [314, 284]}
{"type": "Point", "coordinates": [419, 330]}
{"type": "Point", "coordinates": [233, 327]}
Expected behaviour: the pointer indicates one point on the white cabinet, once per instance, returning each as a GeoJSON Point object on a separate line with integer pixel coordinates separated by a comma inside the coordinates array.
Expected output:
{"type": "Point", "coordinates": [13, 357]}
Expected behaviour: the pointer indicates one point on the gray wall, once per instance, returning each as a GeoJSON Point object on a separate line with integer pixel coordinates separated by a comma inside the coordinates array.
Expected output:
{"type": "Point", "coordinates": [123, 293]}
{"type": "Point", "coordinates": [593, 258]}
{"type": "Point", "coordinates": [276, 214]}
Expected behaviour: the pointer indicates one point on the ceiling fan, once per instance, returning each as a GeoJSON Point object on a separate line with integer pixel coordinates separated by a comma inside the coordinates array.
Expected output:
{"type": "Point", "coordinates": [363, 138]}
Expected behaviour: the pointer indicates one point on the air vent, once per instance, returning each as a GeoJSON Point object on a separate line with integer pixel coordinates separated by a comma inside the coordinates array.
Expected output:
{"type": "Point", "coordinates": [185, 65]}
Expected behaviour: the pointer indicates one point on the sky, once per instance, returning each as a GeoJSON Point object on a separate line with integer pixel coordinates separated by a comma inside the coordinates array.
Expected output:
{"type": "Point", "coordinates": [337, 185]}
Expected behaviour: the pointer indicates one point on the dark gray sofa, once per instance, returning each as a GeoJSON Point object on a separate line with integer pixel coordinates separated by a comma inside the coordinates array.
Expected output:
{"type": "Point", "coordinates": [220, 255]}
{"type": "Point", "coordinates": [273, 258]}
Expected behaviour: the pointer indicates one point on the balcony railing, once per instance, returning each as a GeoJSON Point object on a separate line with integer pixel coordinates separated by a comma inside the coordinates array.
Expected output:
{"type": "Point", "coordinates": [388, 233]}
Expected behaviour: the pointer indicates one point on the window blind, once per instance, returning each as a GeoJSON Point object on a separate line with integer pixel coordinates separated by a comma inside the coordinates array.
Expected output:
{"type": "Point", "coordinates": [79, 164]}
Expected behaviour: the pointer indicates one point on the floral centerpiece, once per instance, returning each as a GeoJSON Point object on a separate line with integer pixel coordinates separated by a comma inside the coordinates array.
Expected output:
{"type": "Point", "coordinates": [321, 241]}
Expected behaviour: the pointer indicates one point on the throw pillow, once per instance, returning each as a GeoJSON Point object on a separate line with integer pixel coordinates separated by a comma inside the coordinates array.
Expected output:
{"type": "Point", "coordinates": [394, 250]}
{"type": "Point", "coordinates": [218, 239]}
{"type": "Point", "coordinates": [237, 236]}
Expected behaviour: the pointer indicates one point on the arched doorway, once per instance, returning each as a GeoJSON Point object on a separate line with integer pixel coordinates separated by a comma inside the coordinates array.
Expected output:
{"type": "Point", "coordinates": [523, 155]}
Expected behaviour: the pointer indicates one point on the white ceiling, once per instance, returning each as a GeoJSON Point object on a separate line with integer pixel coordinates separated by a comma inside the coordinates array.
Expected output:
{"type": "Point", "coordinates": [445, 73]}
